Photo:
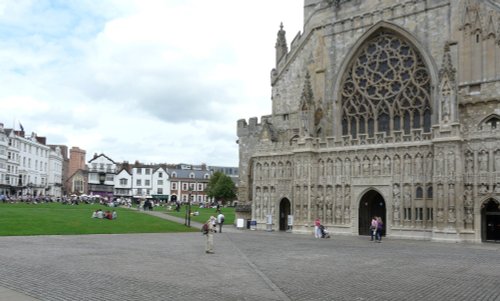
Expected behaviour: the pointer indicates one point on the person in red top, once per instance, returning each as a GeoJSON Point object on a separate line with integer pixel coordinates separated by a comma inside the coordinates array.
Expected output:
{"type": "Point", "coordinates": [317, 232]}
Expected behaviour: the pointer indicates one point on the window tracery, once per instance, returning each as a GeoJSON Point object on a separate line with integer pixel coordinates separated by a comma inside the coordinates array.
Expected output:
{"type": "Point", "coordinates": [386, 88]}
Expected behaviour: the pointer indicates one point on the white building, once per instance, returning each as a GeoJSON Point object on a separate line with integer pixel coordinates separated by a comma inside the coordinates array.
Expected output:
{"type": "Point", "coordinates": [4, 144]}
{"type": "Point", "coordinates": [160, 184]}
{"type": "Point", "coordinates": [33, 164]}
{"type": "Point", "coordinates": [55, 172]}
{"type": "Point", "coordinates": [123, 183]}
{"type": "Point", "coordinates": [150, 181]}
{"type": "Point", "coordinates": [11, 176]}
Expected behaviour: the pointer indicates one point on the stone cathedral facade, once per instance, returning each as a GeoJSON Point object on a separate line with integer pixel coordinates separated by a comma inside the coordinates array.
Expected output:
{"type": "Point", "coordinates": [381, 107]}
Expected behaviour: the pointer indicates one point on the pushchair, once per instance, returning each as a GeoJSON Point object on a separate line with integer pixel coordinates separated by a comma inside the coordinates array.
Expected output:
{"type": "Point", "coordinates": [324, 232]}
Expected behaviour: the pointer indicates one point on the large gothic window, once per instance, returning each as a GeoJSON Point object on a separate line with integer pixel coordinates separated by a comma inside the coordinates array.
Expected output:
{"type": "Point", "coordinates": [386, 88]}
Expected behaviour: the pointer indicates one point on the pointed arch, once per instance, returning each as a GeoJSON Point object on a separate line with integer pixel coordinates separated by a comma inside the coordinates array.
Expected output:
{"type": "Point", "coordinates": [395, 120]}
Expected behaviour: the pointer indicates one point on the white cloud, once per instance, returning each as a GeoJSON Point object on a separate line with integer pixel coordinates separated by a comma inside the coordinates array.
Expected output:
{"type": "Point", "coordinates": [154, 81]}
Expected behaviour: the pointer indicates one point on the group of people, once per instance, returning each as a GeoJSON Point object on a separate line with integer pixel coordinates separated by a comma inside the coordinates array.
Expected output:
{"type": "Point", "coordinates": [209, 228]}
{"type": "Point", "coordinates": [104, 215]}
{"type": "Point", "coordinates": [376, 227]}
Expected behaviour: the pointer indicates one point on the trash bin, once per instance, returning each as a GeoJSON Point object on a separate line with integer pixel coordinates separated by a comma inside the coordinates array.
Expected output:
{"type": "Point", "coordinates": [253, 225]}
{"type": "Point", "coordinates": [248, 223]}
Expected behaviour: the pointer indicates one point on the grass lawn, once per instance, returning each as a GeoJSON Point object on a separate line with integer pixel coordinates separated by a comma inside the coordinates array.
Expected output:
{"type": "Point", "coordinates": [205, 214]}
{"type": "Point", "coordinates": [57, 219]}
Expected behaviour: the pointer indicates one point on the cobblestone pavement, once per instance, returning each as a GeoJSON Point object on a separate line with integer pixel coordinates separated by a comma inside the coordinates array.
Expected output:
{"type": "Point", "coordinates": [247, 265]}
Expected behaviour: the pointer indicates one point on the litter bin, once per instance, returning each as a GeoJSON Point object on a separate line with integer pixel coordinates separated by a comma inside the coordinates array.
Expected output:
{"type": "Point", "coordinates": [253, 225]}
{"type": "Point", "coordinates": [248, 223]}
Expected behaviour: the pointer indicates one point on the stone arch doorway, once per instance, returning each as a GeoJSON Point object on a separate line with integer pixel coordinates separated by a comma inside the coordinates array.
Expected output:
{"type": "Point", "coordinates": [284, 212]}
{"type": "Point", "coordinates": [371, 204]}
{"type": "Point", "coordinates": [490, 221]}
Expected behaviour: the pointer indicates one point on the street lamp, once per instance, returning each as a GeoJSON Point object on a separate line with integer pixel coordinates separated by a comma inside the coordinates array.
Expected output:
{"type": "Point", "coordinates": [188, 209]}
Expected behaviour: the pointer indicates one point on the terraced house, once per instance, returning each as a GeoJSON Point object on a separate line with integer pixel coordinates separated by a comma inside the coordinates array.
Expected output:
{"type": "Point", "coordinates": [381, 107]}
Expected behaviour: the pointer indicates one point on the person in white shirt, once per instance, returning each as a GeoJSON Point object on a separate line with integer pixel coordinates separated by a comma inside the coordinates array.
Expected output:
{"type": "Point", "coordinates": [220, 221]}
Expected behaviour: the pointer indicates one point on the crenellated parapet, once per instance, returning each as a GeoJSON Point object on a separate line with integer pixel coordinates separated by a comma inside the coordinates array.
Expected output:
{"type": "Point", "coordinates": [252, 127]}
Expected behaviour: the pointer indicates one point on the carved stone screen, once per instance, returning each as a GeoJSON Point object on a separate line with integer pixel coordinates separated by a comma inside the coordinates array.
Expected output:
{"type": "Point", "coordinates": [386, 89]}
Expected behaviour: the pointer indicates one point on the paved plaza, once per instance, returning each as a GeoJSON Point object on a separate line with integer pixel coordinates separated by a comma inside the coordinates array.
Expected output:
{"type": "Point", "coordinates": [247, 265]}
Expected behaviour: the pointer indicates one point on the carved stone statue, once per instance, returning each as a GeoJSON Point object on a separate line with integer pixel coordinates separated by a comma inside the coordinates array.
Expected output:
{"type": "Point", "coordinates": [469, 164]}
{"type": "Point", "coordinates": [483, 161]}
{"type": "Point", "coordinates": [407, 196]}
{"type": "Point", "coordinates": [440, 215]}
{"type": "Point", "coordinates": [347, 215]}
{"type": "Point", "coordinates": [366, 167]}
{"type": "Point", "coordinates": [387, 166]}
{"type": "Point", "coordinates": [338, 214]}
{"type": "Point", "coordinates": [376, 167]}
{"type": "Point", "coordinates": [418, 166]}
{"type": "Point", "coordinates": [469, 218]}
{"type": "Point", "coordinates": [451, 215]}
{"type": "Point", "coordinates": [407, 165]}
{"type": "Point", "coordinates": [451, 195]}
{"type": "Point", "coordinates": [397, 166]}
{"type": "Point", "coordinates": [396, 194]}
{"type": "Point", "coordinates": [468, 196]}
{"type": "Point", "coordinates": [440, 196]}
{"type": "Point", "coordinates": [483, 189]}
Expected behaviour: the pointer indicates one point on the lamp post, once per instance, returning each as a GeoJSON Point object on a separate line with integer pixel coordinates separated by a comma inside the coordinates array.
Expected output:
{"type": "Point", "coordinates": [188, 209]}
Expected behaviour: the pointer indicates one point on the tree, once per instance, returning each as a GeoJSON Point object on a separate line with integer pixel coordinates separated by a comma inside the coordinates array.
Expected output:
{"type": "Point", "coordinates": [221, 187]}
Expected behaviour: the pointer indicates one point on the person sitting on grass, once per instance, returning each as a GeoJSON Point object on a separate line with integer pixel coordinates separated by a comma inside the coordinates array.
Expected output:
{"type": "Point", "coordinates": [100, 213]}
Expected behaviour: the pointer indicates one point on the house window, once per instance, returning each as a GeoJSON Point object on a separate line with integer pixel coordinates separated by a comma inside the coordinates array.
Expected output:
{"type": "Point", "coordinates": [160, 182]}
{"type": "Point", "coordinates": [174, 175]}
{"type": "Point", "coordinates": [139, 171]}
{"type": "Point", "coordinates": [191, 175]}
{"type": "Point", "coordinates": [184, 186]}
{"type": "Point", "coordinates": [159, 191]}
{"type": "Point", "coordinates": [138, 182]}
{"type": "Point", "coordinates": [123, 181]}
{"type": "Point", "coordinates": [174, 186]}
{"type": "Point", "coordinates": [147, 182]}
{"type": "Point", "coordinates": [160, 175]}
{"type": "Point", "coordinates": [148, 171]}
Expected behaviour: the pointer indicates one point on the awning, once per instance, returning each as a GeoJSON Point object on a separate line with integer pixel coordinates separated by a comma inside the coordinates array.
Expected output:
{"type": "Point", "coordinates": [163, 197]}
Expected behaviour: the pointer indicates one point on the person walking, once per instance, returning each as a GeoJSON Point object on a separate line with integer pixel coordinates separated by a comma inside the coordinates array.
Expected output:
{"type": "Point", "coordinates": [220, 221]}
{"type": "Point", "coordinates": [317, 232]}
{"type": "Point", "coordinates": [373, 228]}
{"type": "Point", "coordinates": [208, 231]}
{"type": "Point", "coordinates": [380, 226]}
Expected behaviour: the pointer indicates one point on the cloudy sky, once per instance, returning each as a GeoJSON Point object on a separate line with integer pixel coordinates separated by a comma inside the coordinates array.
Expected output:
{"type": "Point", "coordinates": [148, 80]}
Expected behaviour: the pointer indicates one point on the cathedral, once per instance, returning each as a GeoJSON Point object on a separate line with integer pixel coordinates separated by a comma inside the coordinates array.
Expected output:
{"type": "Point", "coordinates": [386, 108]}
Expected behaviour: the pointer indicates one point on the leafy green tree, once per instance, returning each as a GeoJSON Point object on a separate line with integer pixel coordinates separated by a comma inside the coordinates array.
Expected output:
{"type": "Point", "coordinates": [221, 187]}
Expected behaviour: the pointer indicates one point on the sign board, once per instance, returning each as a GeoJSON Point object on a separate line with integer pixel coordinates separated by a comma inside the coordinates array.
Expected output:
{"type": "Point", "coordinates": [269, 218]}
{"type": "Point", "coordinates": [240, 223]}
{"type": "Point", "coordinates": [290, 220]}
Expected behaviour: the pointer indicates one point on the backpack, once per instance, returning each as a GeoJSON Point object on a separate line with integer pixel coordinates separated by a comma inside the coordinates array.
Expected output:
{"type": "Point", "coordinates": [204, 228]}
{"type": "Point", "coordinates": [222, 219]}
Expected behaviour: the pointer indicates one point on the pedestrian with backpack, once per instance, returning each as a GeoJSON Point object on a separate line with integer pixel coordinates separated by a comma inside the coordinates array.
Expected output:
{"type": "Point", "coordinates": [208, 231]}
